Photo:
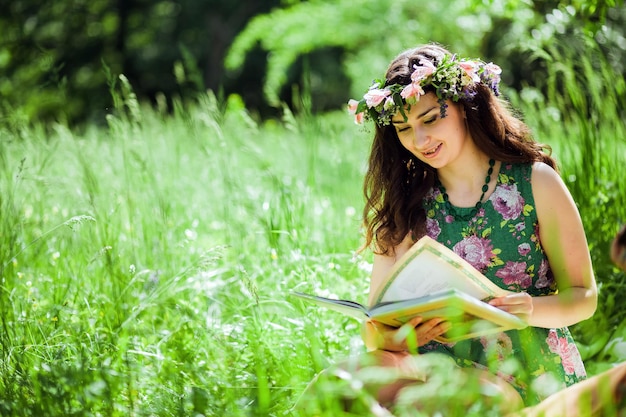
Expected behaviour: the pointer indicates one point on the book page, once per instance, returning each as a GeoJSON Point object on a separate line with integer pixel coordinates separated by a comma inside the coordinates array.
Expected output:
{"type": "Point", "coordinates": [350, 308]}
{"type": "Point", "coordinates": [430, 267]}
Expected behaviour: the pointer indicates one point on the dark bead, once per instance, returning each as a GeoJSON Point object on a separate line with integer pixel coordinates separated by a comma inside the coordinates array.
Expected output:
{"type": "Point", "coordinates": [478, 205]}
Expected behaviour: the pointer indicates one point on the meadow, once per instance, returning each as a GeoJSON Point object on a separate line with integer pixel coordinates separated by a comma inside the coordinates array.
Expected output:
{"type": "Point", "coordinates": [146, 263]}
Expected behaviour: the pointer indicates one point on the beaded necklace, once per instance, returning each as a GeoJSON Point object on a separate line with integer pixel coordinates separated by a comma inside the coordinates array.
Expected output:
{"type": "Point", "coordinates": [450, 209]}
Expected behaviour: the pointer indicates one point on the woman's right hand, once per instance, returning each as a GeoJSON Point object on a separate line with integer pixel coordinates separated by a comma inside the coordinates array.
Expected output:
{"type": "Point", "coordinates": [409, 337]}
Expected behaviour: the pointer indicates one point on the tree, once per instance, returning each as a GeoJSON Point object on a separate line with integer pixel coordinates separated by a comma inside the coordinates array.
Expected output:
{"type": "Point", "coordinates": [370, 32]}
{"type": "Point", "coordinates": [53, 54]}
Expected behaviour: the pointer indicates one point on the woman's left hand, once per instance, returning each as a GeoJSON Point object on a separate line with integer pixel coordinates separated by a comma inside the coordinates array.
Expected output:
{"type": "Point", "coordinates": [519, 304]}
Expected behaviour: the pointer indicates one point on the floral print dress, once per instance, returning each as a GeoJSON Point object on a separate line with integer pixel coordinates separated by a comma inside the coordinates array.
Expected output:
{"type": "Point", "coordinates": [502, 242]}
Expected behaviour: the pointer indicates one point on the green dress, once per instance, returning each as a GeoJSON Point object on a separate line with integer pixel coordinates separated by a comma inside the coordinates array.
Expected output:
{"type": "Point", "coordinates": [502, 241]}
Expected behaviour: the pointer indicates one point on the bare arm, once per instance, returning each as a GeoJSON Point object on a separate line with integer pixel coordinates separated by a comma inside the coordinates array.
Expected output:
{"type": "Point", "coordinates": [377, 335]}
{"type": "Point", "coordinates": [563, 239]}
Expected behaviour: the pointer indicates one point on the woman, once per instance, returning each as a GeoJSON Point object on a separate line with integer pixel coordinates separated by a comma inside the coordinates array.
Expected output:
{"type": "Point", "coordinates": [450, 160]}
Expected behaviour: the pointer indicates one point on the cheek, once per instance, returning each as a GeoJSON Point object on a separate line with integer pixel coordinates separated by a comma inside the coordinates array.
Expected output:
{"type": "Point", "coordinates": [459, 125]}
{"type": "Point", "coordinates": [405, 140]}
{"type": "Point", "coordinates": [454, 132]}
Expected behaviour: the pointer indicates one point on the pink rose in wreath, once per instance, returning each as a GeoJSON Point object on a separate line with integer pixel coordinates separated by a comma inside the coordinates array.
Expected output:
{"type": "Point", "coordinates": [375, 96]}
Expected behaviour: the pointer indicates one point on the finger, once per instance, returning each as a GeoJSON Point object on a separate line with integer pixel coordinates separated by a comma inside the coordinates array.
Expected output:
{"type": "Point", "coordinates": [425, 335]}
{"type": "Point", "coordinates": [400, 336]}
{"type": "Point", "coordinates": [444, 327]}
{"type": "Point", "coordinates": [511, 299]}
{"type": "Point", "coordinates": [415, 321]}
{"type": "Point", "coordinates": [496, 302]}
{"type": "Point", "coordinates": [520, 310]}
{"type": "Point", "coordinates": [406, 335]}
{"type": "Point", "coordinates": [432, 323]}
{"type": "Point", "coordinates": [381, 327]}
{"type": "Point", "coordinates": [426, 332]}
{"type": "Point", "coordinates": [436, 330]}
{"type": "Point", "coordinates": [516, 308]}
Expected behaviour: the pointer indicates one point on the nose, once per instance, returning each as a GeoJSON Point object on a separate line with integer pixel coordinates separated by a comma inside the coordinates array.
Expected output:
{"type": "Point", "coordinates": [419, 139]}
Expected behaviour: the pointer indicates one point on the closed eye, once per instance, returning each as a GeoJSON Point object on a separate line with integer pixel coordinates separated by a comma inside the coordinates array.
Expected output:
{"type": "Point", "coordinates": [430, 120]}
{"type": "Point", "coordinates": [402, 129]}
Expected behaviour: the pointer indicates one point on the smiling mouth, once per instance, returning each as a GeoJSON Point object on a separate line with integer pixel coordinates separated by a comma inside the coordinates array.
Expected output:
{"type": "Point", "coordinates": [431, 151]}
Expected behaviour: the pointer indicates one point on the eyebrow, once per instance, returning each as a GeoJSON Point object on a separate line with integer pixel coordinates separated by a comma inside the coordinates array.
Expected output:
{"type": "Point", "coordinates": [395, 122]}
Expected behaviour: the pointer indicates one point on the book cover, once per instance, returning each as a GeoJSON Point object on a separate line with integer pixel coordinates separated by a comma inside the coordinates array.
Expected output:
{"type": "Point", "coordinates": [430, 280]}
{"type": "Point", "coordinates": [469, 316]}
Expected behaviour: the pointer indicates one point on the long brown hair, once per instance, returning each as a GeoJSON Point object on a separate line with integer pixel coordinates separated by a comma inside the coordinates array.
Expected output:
{"type": "Point", "coordinates": [396, 181]}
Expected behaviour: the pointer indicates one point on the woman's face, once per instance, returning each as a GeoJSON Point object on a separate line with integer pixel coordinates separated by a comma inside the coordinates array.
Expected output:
{"type": "Point", "coordinates": [433, 140]}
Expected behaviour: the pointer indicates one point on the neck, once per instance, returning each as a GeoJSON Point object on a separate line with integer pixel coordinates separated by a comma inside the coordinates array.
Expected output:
{"type": "Point", "coordinates": [466, 173]}
{"type": "Point", "coordinates": [464, 181]}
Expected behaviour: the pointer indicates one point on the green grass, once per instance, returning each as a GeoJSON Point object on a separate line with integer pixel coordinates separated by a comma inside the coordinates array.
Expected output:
{"type": "Point", "coordinates": [145, 266]}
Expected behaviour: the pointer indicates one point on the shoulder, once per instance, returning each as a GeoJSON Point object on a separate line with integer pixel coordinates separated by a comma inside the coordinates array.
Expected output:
{"type": "Point", "coordinates": [552, 198]}
{"type": "Point", "coordinates": [542, 171]}
{"type": "Point", "coordinates": [546, 180]}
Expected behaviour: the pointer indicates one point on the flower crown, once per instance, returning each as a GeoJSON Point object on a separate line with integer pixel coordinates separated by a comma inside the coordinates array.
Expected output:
{"type": "Point", "coordinates": [451, 79]}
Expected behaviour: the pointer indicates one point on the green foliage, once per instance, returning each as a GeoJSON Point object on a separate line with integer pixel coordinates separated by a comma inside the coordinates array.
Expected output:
{"type": "Point", "coordinates": [145, 265]}
{"type": "Point", "coordinates": [52, 54]}
{"type": "Point", "coordinates": [369, 31]}
{"type": "Point", "coordinates": [37, 81]}
{"type": "Point", "coordinates": [584, 107]}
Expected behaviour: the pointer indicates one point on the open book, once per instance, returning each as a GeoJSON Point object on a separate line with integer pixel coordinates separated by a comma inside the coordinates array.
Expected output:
{"type": "Point", "coordinates": [430, 280]}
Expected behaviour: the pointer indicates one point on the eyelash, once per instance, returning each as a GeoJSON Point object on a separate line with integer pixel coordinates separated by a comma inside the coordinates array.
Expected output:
{"type": "Point", "coordinates": [431, 120]}
{"type": "Point", "coordinates": [426, 122]}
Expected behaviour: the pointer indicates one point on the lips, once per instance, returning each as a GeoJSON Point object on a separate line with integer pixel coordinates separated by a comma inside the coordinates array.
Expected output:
{"type": "Point", "coordinates": [432, 151]}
